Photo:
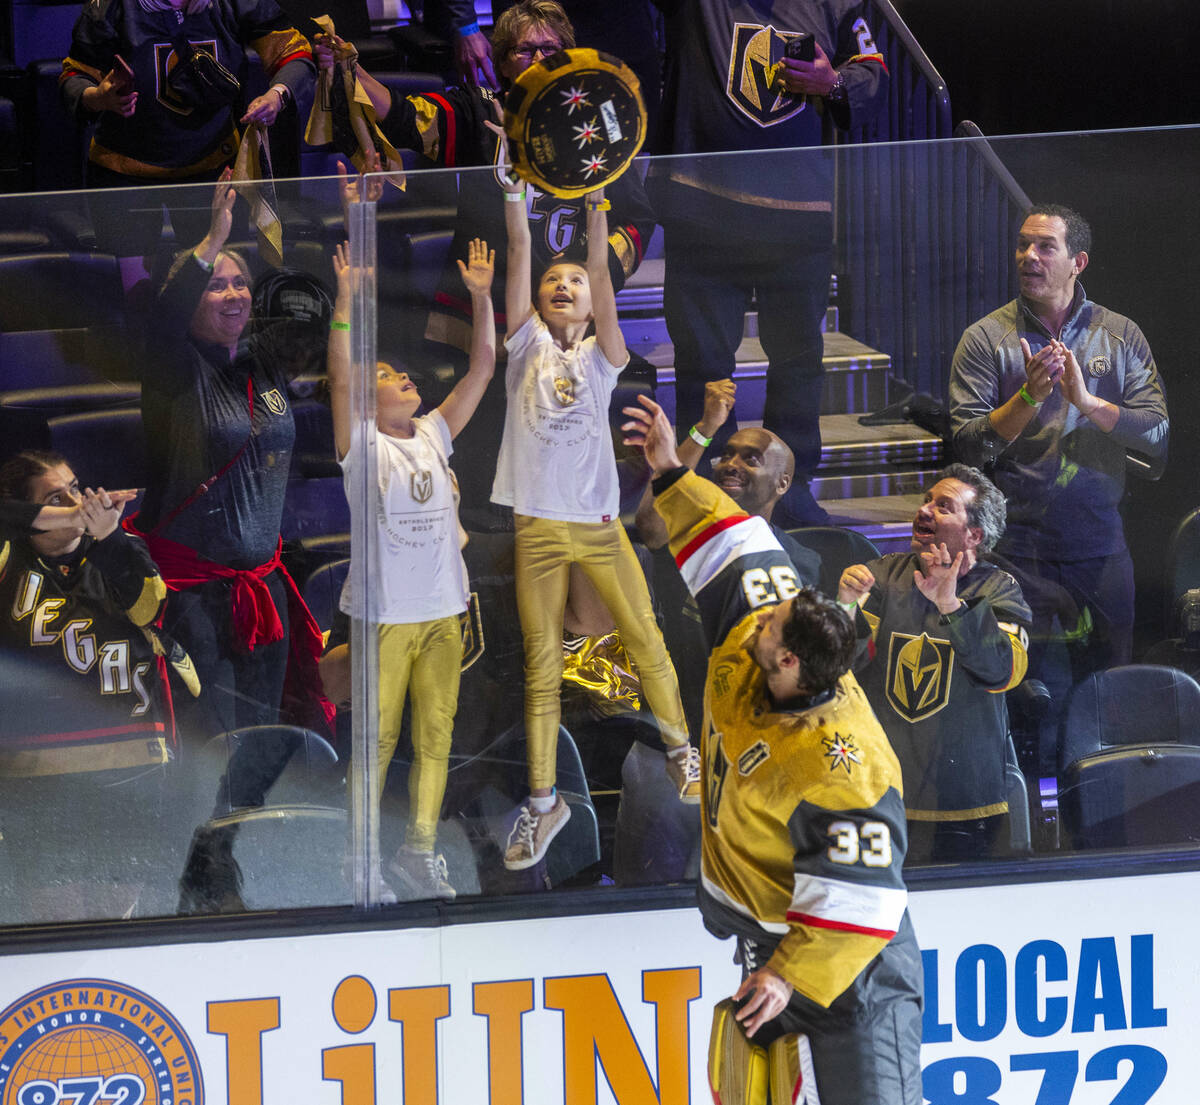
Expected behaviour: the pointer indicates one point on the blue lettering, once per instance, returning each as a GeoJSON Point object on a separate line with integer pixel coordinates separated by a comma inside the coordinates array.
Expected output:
{"type": "Point", "coordinates": [1026, 991]}
{"type": "Point", "coordinates": [980, 1078]}
{"type": "Point", "coordinates": [1098, 990]}
{"type": "Point", "coordinates": [1143, 1013]}
{"type": "Point", "coordinates": [966, 992]}
{"type": "Point", "coordinates": [933, 1031]}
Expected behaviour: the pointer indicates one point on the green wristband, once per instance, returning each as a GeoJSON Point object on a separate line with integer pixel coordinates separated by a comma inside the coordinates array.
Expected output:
{"type": "Point", "coordinates": [1024, 394]}
{"type": "Point", "coordinates": [339, 325]}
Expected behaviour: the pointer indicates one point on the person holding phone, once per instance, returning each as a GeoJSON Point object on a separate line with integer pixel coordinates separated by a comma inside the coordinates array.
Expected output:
{"type": "Point", "coordinates": [762, 76]}
{"type": "Point", "coordinates": [123, 73]}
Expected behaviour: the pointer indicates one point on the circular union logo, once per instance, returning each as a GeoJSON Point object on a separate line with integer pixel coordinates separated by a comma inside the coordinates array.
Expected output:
{"type": "Point", "coordinates": [91, 1040]}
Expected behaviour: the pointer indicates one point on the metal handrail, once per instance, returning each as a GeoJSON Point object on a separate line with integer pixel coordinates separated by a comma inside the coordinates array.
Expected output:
{"type": "Point", "coordinates": [968, 129]}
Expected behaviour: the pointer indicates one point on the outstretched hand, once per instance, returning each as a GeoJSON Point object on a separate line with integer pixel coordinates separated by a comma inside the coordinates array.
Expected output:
{"type": "Point", "coordinates": [220, 219]}
{"type": "Point", "coordinates": [480, 267]}
{"type": "Point", "coordinates": [649, 428]}
{"type": "Point", "coordinates": [357, 188]}
{"type": "Point", "coordinates": [718, 405]}
{"type": "Point", "coordinates": [509, 180]}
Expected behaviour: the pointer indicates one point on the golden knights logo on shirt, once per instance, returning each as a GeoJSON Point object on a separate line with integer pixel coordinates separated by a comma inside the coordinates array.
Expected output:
{"type": "Point", "coordinates": [421, 485]}
{"type": "Point", "coordinates": [275, 401]}
{"type": "Point", "coordinates": [564, 390]}
{"type": "Point", "coordinates": [918, 675]}
{"type": "Point", "coordinates": [165, 59]}
{"type": "Point", "coordinates": [753, 52]}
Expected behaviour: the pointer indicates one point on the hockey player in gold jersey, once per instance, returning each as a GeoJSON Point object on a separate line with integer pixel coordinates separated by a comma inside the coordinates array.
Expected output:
{"type": "Point", "coordinates": [802, 819]}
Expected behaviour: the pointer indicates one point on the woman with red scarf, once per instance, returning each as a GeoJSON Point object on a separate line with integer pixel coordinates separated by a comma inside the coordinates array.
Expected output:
{"type": "Point", "coordinates": [219, 433]}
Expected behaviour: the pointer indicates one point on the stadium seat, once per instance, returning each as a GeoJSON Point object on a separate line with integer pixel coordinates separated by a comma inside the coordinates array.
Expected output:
{"type": "Point", "coordinates": [838, 548]}
{"type": "Point", "coordinates": [323, 589]}
{"type": "Point", "coordinates": [1129, 759]}
{"type": "Point", "coordinates": [1183, 567]}
{"type": "Point", "coordinates": [106, 447]}
{"type": "Point", "coordinates": [60, 291]}
{"type": "Point", "coordinates": [575, 848]}
{"type": "Point", "coordinates": [314, 507]}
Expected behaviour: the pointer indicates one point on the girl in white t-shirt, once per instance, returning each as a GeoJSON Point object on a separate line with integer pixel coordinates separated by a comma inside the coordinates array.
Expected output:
{"type": "Point", "coordinates": [558, 472]}
{"type": "Point", "coordinates": [421, 588]}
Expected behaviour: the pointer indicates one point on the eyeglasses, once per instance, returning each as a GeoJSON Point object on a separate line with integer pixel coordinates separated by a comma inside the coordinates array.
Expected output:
{"type": "Point", "coordinates": [527, 51]}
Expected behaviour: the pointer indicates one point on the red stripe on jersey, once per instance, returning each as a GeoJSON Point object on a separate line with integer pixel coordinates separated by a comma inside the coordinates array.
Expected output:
{"type": "Point", "coordinates": [798, 1088]}
{"type": "Point", "coordinates": [839, 926]}
{"type": "Point", "coordinates": [869, 57]}
{"type": "Point", "coordinates": [707, 535]}
{"type": "Point", "coordinates": [82, 735]}
{"type": "Point", "coordinates": [304, 52]}
{"type": "Point", "coordinates": [636, 239]}
{"type": "Point", "coordinates": [449, 150]}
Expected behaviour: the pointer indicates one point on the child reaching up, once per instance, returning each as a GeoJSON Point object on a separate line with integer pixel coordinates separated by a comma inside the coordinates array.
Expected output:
{"type": "Point", "coordinates": [421, 588]}
{"type": "Point", "coordinates": [558, 472]}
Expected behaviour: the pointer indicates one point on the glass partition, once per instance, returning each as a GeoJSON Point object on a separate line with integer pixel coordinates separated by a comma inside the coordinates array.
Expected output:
{"type": "Point", "coordinates": [167, 747]}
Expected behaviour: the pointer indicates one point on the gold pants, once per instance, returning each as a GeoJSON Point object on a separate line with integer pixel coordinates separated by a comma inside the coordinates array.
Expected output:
{"type": "Point", "coordinates": [545, 550]}
{"type": "Point", "coordinates": [426, 658]}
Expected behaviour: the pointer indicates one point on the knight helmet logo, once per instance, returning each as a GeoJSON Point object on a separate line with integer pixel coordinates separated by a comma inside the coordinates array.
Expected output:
{"type": "Point", "coordinates": [564, 390]}
{"type": "Point", "coordinates": [919, 670]}
{"type": "Point", "coordinates": [421, 485]}
{"type": "Point", "coordinates": [275, 401]}
{"type": "Point", "coordinates": [752, 86]}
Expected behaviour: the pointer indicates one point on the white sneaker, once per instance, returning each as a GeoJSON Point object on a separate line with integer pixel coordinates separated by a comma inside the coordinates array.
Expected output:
{"type": "Point", "coordinates": [422, 875]}
{"type": "Point", "coordinates": [532, 833]}
{"type": "Point", "coordinates": [683, 769]}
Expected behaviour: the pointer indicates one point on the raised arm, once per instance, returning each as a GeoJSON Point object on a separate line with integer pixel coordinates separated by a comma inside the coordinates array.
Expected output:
{"type": "Point", "coordinates": [338, 357]}
{"type": "Point", "coordinates": [718, 404]}
{"type": "Point", "coordinates": [518, 305]}
{"type": "Point", "coordinates": [604, 300]}
{"type": "Point", "coordinates": [477, 274]}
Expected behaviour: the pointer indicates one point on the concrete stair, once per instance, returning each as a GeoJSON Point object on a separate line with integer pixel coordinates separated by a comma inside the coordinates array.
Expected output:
{"type": "Point", "coordinates": [871, 477]}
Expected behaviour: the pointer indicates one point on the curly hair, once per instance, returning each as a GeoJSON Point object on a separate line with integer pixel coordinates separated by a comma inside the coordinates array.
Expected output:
{"type": "Point", "coordinates": [820, 634]}
{"type": "Point", "coordinates": [987, 509]}
{"type": "Point", "coordinates": [1079, 234]}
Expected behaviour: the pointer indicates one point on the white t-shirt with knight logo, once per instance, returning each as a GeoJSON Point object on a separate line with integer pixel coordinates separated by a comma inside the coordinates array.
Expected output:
{"type": "Point", "coordinates": [556, 458]}
{"type": "Point", "coordinates": [422, 575]}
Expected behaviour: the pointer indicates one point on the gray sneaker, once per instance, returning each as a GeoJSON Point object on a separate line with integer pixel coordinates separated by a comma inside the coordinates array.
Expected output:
{"type": "Point", "coordinates": [421, 875]}
{"type": "Point", "coordinates": [532, 833]}
{"type": "Point", "coordinates": [683, 769]}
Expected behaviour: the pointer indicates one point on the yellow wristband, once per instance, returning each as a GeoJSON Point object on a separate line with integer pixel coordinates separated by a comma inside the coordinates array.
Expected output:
{"type": "Point", "coordinates": [603, 205]}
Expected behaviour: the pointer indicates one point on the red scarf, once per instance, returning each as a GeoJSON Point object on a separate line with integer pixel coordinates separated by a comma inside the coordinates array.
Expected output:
{"type": "Point", "coordinates": [255, 619]}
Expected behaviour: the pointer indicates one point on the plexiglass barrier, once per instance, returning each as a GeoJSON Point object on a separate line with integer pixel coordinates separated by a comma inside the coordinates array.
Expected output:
{"type": "Point", "coordinates": [295, 673]}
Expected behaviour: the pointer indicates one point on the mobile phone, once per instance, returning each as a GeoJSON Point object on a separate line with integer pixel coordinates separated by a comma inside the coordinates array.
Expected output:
{"type": "Point", "coordinates": [124, 75]}
{"type": "Point", "coordinates": [801, 47]}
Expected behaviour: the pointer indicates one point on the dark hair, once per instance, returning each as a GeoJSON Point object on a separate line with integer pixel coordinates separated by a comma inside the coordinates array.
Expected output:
{"type": "Point", "coordinates": [820, 635]}
{"type": "Point", "coordinates": [20, 471]}
{"type": "Point", "coordinates": [530, 13]}
{"type": "Point", "coordinates": [987, 509]}
{"type": "Point", "coordinates": [1079, 234]}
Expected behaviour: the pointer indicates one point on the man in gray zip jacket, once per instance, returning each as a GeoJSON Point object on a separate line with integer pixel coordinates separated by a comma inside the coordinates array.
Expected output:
{"type": "Point", "coordinates": [1050, 392]}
